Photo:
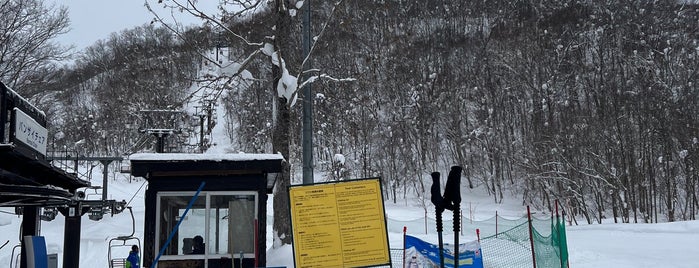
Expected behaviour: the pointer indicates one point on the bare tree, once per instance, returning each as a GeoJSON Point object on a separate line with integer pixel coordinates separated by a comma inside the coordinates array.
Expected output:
{"type": "Point", "coordinates": [592, 103]}
{"type": "Point", "coordinates": [280, 49]}
{"type": "Point", "coordinates": [27, 50]}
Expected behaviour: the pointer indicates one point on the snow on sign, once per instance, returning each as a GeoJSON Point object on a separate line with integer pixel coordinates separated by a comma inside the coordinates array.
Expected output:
{"type": "Point", "coordinates": [340, 224]}
{"type": "Point", "coordinates": [29, 132]}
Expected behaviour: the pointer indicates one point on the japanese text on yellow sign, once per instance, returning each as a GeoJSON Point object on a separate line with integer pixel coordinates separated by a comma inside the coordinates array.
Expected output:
{"type": "Point", "coordinates": [339, 224]}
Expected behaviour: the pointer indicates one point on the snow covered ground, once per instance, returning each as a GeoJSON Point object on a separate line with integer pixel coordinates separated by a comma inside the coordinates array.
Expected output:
{"type": "Point", "coordinates": [597, 245]}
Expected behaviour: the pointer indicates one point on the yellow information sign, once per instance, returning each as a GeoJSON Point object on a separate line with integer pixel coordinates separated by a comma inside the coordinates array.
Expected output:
{"type": "Point", "coordinates": [339, 224]}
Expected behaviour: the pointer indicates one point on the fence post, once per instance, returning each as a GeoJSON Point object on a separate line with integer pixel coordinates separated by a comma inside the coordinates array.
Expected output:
{"type": "Point", "coordinates": [531, 236]}
{"type": "Point", "coordinates": [563, 225]}
{"type": "Point", "coordinates": [405, 229]}
{"type": "Point", "coordinates": [558, 236]}
{"type": "Point", "coordinates": [496, 224]}
{"type": "Point", "coordinates": [561, 234]}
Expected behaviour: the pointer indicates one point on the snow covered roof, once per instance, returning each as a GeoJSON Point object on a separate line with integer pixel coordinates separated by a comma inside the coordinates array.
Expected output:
{"type": "Point", "coordinates": [158, 166]}
{"type": "Point", "coordinates": [23, 103]}
{"type": "Point", "coordinates": [203, 157]}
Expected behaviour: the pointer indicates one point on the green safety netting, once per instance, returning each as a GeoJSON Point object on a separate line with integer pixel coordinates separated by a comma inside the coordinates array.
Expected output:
{"type": "Point", "coordinates": [508, 242]}
{"type": "Point", "coordinates": [513, 247]}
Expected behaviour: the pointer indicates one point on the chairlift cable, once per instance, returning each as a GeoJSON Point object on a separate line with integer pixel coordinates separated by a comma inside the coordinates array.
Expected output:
{"type": "Point", "coordinates": [134, 194]}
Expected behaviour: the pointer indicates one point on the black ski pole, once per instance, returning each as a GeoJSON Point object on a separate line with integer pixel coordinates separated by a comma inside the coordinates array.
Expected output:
{"type": "Point", "coordinates": [456, 235]}
{"type": "Point", "coordinates": [437, 200]}
{"type": "Point", "coordinates": [452, 195]}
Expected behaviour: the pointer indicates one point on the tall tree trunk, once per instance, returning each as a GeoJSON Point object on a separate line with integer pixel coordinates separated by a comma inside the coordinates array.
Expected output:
{"type": "Point", "coordinates": [615, 207]}
{"type": "Point", "coordinates": [280, 139]}
{"type": "Point", "coordinates": [280, 143]}
{"type": "Point", "coordinates": [670, 188]}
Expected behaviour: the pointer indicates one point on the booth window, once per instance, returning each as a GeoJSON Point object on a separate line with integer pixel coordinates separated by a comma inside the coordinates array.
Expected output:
{"type": "Point", "coordinates": [229, 216]}
{"type": "Point", "coordinates": [234, 229]}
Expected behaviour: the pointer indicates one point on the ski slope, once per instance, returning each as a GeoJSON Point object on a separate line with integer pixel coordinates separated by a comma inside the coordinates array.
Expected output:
{"type": "Point", "coordinates": [598, 245]}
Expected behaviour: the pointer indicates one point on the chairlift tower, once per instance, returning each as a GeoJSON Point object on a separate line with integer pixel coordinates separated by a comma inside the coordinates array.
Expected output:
{"type": "Point", "coordinates": [205, 113]}
{"type": "Point", "coordinates": [161, 124]}
{"type": "Point", "coordinates": [200, 112]}
{"type": "Point", "coordinates": [104, 160]}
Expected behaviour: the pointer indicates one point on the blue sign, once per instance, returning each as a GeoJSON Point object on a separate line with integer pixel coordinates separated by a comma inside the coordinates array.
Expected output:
{"type": "Point", "coordinates": [36, 252]}
{"type": "Point", "coordinates": [469, 253]}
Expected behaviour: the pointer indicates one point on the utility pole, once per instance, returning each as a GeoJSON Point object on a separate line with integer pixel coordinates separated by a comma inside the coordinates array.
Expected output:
{"type": "Point", "coordinates": [307, 137]}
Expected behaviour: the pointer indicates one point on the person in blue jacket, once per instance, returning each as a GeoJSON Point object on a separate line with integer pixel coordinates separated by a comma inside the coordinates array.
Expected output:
{"type": "Point", "coordinates": [133, 261]}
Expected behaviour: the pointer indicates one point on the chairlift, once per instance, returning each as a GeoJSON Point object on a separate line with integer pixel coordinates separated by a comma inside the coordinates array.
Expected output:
{"type": "Point", "coordinates": [96, 213]}
{"type": "Point", "coordinates": [48, 213]}
{"type": "Point", "coordinates": [93, 193]}
{"type": "Point", "coordinates": [126, 169]}
{"type": "Point", "coordinates": [14, 258]}
{"type": "Point", "coordinates": [120, 242]}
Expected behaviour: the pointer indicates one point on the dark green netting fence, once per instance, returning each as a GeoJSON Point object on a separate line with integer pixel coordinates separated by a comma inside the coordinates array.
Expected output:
{"type": "Point", "coordinates": [551, 251]}
{"type": "Point", "coordinates": [507, 242]}
{"type": "Point", "coordinates": [510, 248]}
{"type": "Point", "coordinates": [513, 247]}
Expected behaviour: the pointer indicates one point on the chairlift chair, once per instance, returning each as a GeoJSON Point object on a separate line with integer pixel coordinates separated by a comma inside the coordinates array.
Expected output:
{"type": "Point", "coordinates": [120, 242]}
{"type": "Point", "coordinates": [91, 195]}
{"type": "Point", "coordinates": [48, 213]}
{"type": "Point", "coordinates": [14, 258]}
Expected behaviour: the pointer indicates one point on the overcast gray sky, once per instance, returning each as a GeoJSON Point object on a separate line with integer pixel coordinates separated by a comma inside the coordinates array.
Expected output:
{"type": "Point", "coordinates": [92, 20]}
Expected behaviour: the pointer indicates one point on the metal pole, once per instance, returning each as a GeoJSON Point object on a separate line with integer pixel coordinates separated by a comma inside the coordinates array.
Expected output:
{"type": "Point", "coordinates": [201, 133]}
{"type": "Point", "coordinates": [31, 226]}
{"type": "Point", "coordinates": [405, 229]}
{"type": "Point", "coordinates": [105, 178]}
{"type": "Point", "coordinates": [496, 224]}
{"type": "Point", "coordinates": [3, 112]}
{"type": "Point", "coordinates": [307, 137]}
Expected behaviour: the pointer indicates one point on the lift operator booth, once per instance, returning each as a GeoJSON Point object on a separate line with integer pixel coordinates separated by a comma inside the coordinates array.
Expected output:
{"type": "Point", "coordinates": [226, 224]}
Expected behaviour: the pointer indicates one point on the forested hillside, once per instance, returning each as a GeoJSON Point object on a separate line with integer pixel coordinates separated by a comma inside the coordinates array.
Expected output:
{"type": "Point", "coordinates": [594, 103]}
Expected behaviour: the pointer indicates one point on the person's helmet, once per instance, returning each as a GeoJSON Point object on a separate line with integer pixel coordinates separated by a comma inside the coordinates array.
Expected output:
{"type": "Point", "coordinates": [134, 248]}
